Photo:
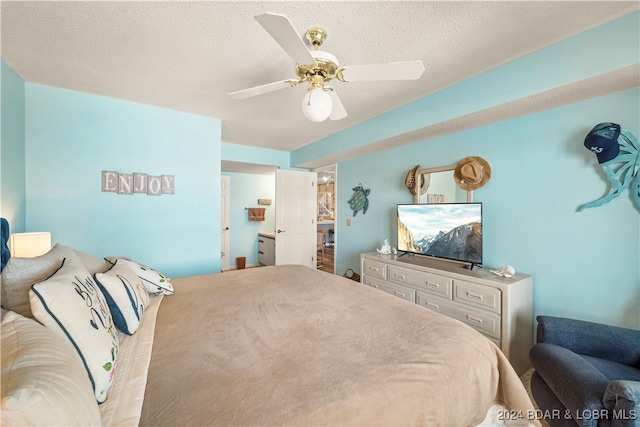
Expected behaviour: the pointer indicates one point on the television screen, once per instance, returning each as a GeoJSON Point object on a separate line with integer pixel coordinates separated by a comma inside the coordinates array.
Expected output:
{"type": "Point", "coordinates": [443, 230]}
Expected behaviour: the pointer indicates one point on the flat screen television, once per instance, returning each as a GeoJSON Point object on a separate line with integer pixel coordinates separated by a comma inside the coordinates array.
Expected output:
{"type": "Point", "coordinates": [444, 230]}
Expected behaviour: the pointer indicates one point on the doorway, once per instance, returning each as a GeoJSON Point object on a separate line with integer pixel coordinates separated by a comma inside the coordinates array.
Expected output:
{"type": "Point", "coordinates": [225, 210]}
{"type": "Point", "coordinates": [327, 187]}
{"type": "Point", "coordinates": [254, 186]}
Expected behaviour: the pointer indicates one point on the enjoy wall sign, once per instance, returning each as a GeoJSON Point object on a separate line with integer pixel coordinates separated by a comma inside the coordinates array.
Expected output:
{"type": "Point", "coordinates": [130, 183]}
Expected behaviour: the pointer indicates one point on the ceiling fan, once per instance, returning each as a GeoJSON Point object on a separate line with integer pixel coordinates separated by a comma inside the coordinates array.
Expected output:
{"type": "Point", "coordinates": [318, 67]}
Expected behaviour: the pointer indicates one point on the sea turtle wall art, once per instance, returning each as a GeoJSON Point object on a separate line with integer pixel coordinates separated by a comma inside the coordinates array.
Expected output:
{"type": "Point", "coordinates": [358, 200]}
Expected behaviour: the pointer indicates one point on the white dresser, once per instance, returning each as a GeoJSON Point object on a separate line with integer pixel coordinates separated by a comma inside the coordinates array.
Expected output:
{"type": "Point", "coordinates": [267, 248]}
{"type": "Point", "coordinates": [498, 307]}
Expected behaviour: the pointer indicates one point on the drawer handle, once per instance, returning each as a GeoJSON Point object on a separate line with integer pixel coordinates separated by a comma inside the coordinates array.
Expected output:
{"type": "Point", "coordinates": [375, 286]}
{"type": "Point", "coordinates": [434, 306]}
{"type": "Point", "coordinates": [400, 294]}
{"type": "Point", "coordinates": [373, 269]}
{"type": "Point", "coordinates": [433, 285]}
{"type": "Point", "coordinates": [261, 241]}
{"type": "Point", "coordinates": [474, 296]}
{"type": "Point", "coordinates": [261, 253]}
{"type": "Point", "coordinates": [474, 319]}
{"type": "Point", "coordinates": [399, 276]}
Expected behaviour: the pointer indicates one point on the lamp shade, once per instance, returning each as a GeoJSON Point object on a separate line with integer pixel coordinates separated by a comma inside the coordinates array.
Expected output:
{"type": "Point", "coordinates": [317, 105]}
{"type": "Point", "coordinates": [29, 245]}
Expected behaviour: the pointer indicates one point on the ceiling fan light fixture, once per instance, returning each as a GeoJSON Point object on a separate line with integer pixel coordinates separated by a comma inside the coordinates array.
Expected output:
{"type": "Point", "coordinates": [318, 67]}
{"type": "Point", "coordinates": [316, 104]}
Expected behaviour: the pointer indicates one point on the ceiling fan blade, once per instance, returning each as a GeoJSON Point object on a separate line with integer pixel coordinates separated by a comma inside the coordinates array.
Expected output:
{"type": "Point", "coordinates": [283, 32]}
{"type": "Point", "coordinates": [260, 90]}
{"type": "Point", "coordinates": [407, 70]}
{"type": "Point", "coordinates": [337, 111]}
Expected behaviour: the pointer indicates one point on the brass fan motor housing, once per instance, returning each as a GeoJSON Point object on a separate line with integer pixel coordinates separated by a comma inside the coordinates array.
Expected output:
{"type": "Point", "coordinates": [324, 69]}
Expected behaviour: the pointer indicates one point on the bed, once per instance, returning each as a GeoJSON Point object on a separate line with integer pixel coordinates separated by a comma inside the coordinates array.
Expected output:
{"type": "Point", "coordinates": [277, 345]}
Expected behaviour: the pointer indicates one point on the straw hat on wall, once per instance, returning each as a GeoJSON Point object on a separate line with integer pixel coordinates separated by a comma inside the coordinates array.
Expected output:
{"type": "Point", "coordinates": [472, 173]}
{"type": "Point", "coordinates": [410, 181]}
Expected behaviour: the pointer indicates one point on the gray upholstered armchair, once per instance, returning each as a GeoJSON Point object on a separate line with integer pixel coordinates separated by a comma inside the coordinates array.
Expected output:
{"type": "Point", "coordinates": [586, 373]}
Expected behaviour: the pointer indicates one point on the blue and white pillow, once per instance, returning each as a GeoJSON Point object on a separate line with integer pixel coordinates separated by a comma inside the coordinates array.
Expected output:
{"type": "Point", "coordinates": [126, 296]}
{"type": "Point", "coordinates": [154, 282]}
{"type": "Point", "coordinates": [72, 305]}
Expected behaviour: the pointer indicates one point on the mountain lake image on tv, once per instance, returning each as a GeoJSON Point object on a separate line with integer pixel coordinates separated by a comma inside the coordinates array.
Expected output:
{"type": "Point", "coordinates": [444, 230]}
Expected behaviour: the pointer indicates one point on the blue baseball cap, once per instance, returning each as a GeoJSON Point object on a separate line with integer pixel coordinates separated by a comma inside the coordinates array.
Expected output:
{"type": "Point", "coordinates": [603, 141]}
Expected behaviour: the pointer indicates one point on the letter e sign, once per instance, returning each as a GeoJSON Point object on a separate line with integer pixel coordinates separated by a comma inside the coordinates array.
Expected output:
{"type": "Point", "coordinates": [110, 181]}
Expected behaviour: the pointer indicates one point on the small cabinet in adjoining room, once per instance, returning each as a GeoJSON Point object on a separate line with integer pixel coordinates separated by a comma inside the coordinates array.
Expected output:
{"type": "Point", "coordinates": [267, 248]}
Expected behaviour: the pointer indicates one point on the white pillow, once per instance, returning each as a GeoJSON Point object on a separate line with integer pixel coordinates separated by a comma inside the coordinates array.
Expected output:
{"type": "Point", "coordinates": [20, 273]}
{"type": "Point", "coordinates": [154, 282]}
{"type": "Point", "coordinates": [43, 380]}
{"type": "Point", "coordinates": [126, 296]}
{"type": "Point", "coordinates": [93, 264]}
{"type": "Point", "coordinates": [72, 305]}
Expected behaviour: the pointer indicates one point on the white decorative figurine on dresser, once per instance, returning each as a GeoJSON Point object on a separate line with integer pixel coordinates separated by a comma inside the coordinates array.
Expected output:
{"type": "Point", "coordinates": [498, 307]}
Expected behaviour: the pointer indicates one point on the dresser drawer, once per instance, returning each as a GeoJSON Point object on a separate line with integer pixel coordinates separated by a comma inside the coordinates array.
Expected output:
{"type": "Point", "coordinates": [477, 295]}
{"type": "Point", "coordinates": [434, 303]}
{"type": "Point", "coordinates": [434, 283]}
{"type": "Point", "coordinates": [367, 280]}
{"type": "Point", "coordinates": [484, 322]}
{"type": "Point", "coordinates": [374, 269]}
{"type": "Point", "coordinates": [393, 289]}
{"type": "Point", "coordinates": [399, 291]}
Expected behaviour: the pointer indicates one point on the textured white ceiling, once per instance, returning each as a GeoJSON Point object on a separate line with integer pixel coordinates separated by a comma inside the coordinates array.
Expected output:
{"type": "Point", "coordinates": [187, 56]}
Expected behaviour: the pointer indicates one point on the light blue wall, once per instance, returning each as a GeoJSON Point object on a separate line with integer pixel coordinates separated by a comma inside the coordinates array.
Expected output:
{"type": "Point", "coordinates": [12, 150]}
{"type": "Point", "coordinates": [585, 264]}
{"type": "Point", "coordinates": [246, 189]}
{"type": "Point", "coordinates": [71, 137]}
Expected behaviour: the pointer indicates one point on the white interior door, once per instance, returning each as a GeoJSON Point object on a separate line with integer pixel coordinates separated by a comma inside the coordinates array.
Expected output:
{"type": "Point", "coordinates": [225, 194]}
{"type": "Point", "coordinates": [296, 203]}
